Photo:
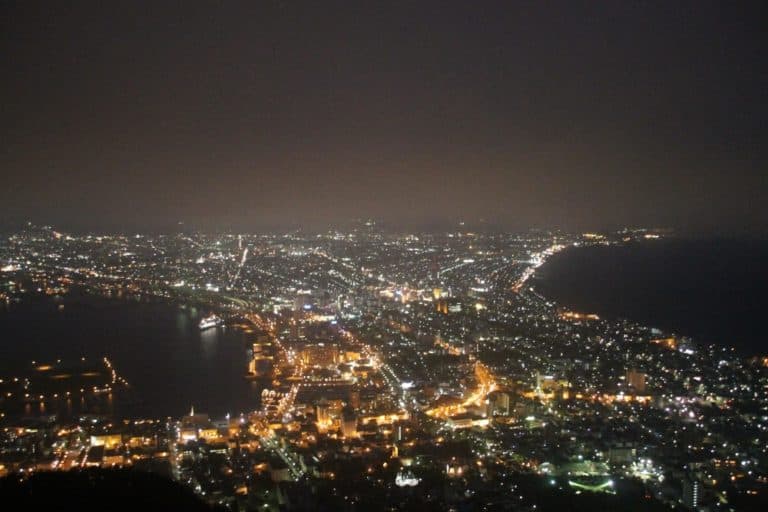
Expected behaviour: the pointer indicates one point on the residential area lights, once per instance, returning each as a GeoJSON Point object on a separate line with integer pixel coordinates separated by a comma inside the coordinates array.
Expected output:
{"type": "Point", "coordinates": [388, 362]}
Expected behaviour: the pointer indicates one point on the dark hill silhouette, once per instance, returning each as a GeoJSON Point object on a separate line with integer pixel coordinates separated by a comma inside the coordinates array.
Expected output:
{"type": "Point", "coordinates": [98, 490]}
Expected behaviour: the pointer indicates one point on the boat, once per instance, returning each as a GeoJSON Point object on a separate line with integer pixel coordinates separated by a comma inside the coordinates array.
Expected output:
{"type": "Point", "coordinates": [210, 321]}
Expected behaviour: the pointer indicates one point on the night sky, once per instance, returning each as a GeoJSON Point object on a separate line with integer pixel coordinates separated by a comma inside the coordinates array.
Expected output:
{"type": "Point", "coordinates": [267, 114]}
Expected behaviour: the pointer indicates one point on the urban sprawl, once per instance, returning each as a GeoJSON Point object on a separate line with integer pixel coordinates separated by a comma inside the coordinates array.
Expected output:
{"type": "Point", "coordinates": [398, 371]}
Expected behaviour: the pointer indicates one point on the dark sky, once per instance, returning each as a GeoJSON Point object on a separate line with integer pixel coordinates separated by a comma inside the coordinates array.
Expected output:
{"type": "Point", "coordinates": [265, 113]}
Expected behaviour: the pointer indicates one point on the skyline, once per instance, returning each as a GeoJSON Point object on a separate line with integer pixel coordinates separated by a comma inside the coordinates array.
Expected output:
{"type": "Point", "coordinates": [286, 114]}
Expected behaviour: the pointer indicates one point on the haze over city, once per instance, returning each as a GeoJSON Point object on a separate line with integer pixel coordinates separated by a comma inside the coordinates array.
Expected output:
{"type": "Point", "coordinates": [367, 256]}
{"type": "Point", "coordinates": [283, 114]}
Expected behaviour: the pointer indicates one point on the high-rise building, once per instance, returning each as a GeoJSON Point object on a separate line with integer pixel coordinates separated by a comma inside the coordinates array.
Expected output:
{"type": "Point", "coordinates": [399, 431]}
{"type": "Point", "coordinates": [691, 493]}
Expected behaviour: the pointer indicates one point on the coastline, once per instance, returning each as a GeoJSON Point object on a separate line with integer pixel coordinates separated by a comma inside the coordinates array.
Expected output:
{"type": "Point", "coordinates": [144, 339]}
{"type": "Point", "coordinates": [642, 282]}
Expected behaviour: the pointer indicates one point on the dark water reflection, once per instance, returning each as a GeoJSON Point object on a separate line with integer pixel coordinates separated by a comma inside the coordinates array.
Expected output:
{"type": "Point", "coordinates": [156, 346]}
{"type": "Point", "coordinates": [711, 290]}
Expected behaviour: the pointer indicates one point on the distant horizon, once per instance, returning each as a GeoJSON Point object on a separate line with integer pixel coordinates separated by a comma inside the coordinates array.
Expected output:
{"type": "Point", "coordinates": [285, 114]}
{"type": "Point", "coordinates": [9, 227]}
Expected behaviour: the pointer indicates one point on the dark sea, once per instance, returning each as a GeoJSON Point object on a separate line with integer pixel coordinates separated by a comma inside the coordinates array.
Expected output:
{"type": "Point", "coordinates": [710, 290]}
{"type": "Point", "coordinates": [156, 346]}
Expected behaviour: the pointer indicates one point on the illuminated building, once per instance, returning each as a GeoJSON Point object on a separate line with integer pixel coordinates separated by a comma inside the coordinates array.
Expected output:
{"type": "Point", "coordinates": [499, 403]}
{"type": "Point", "coordinates": [348, 422]}
{"type": "Point", "coordinates": [406, 478]}
{"type": "Point", "coordinates": [547, 386]}
{"type": "Point", "coordinates": [260, 366]}
{"type": "Point", "coordinates": [691, 493]}
{"type": "Point", "coordinates": [192, 425]}
{"type": "Point", "coordinates": [669, 343]}
{"type": "Point", "coordinates": [320, 355]}
{"type": "Point", "coordinates": [108, 441]}
{"type": "Point", "coordinates": [323, 412]}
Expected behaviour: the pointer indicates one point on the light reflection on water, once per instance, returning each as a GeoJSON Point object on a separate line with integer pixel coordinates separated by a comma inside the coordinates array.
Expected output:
{"type": "Point", "coordinates": [208, 342]}
{"type": "Point", "coordinates": [182, 321]}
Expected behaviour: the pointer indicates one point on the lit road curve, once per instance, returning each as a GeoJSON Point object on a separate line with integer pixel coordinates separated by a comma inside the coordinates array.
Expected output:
{"type": "Point", "coordinates": [486, 385]}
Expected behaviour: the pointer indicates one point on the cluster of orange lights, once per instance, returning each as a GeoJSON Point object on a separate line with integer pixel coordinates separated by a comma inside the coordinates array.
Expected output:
{"type": "Point", "coordinates": [670, 343]}
{"type": "Point", "coordinates": [570, 315]}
